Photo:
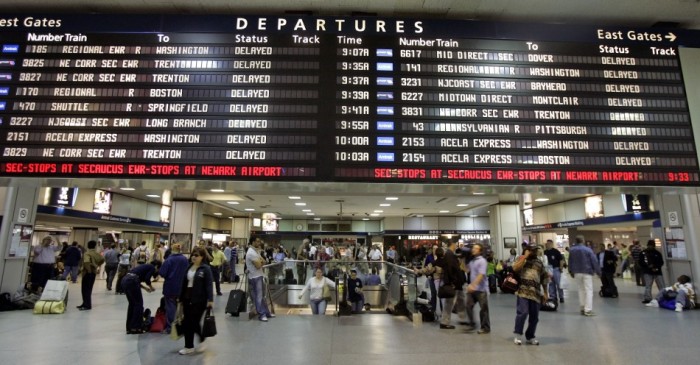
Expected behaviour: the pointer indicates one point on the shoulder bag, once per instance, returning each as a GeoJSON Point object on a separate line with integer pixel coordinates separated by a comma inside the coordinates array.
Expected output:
{"type": "Point", "coordinates": [446, 291]}
{"type": "Point", "coordinates": [209, 326]}
{"type": "Point", "coordinates": [326, 292]}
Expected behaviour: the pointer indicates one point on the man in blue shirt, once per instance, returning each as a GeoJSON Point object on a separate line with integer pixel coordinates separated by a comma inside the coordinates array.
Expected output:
{"type": "Point", "coordinates": [476, 291]}
{"type": "Point", "coordinates": [132, 287]}
{"type": "Point", "coordinates": [582, 265]}
{"type": "Point", "coordinates": [173, 272]}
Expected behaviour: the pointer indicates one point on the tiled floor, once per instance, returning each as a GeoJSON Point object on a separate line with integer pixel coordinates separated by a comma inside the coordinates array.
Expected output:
{"type": "Point", "coordinates": [624, 332]}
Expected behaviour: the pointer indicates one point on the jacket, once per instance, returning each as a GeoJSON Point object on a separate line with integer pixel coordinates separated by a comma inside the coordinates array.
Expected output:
{"type": "Point", "coordinates": [92, 261]}
{"type": "Point", "coordinates": [452, 273]}
{"type": "Point", "coordinates": [174, 270]}
{"type": "Point", "coordinates": [651, 261]}
{"type": "Point", "coordinates": [202, 287]}
{"type": "Point", "coordinates": [609, 261]}
{"type": "Point", "coordinates": [72, 256]}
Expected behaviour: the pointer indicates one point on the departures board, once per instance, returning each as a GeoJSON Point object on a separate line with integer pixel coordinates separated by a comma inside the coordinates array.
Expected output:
{"type": "Point", "coordinates": [342, 99]}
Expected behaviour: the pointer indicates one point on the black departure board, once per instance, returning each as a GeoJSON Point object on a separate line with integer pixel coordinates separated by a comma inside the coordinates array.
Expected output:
{"type": "Point", "coordinates": [343, 99]}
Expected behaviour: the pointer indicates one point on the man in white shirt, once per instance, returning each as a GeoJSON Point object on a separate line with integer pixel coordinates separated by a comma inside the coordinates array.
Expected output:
{"type": "Point", "coordinates": [254, 263]}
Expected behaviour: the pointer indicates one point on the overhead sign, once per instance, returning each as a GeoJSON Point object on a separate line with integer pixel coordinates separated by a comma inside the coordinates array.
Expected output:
{"type": "Point", "coordinates": [343, 99]}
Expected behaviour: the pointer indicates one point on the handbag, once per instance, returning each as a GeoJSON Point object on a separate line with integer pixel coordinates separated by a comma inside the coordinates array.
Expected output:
{"type": "Point", "coordinates": [446, 291]}
{"type": "Point", "coordinates": [209, 326]}
{"type": "Point", "coordinates": [159, 321]}
{"type": "Point", "coordinates": [326, 293]}
{"type": "Point", "coordinates": [511, 283]}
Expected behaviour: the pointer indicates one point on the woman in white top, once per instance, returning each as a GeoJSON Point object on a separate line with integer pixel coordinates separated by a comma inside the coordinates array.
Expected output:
{"type": "Point", "coordinates": [315, 287]}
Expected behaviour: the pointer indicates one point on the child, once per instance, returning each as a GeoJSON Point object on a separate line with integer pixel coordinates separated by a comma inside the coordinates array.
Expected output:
{"type": "Point", "coordinates": [683, 292]}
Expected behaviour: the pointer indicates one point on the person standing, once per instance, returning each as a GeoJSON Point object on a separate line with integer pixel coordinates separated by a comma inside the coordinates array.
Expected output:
{"type": "Point", "coordinates": [651, 262]}
{"type": "Point", "coordinates": [71, 262]}
{"type": "Point", "coordinates": [607, 259]}
{"type": "Point", "coordinates": [453, 275]}
{"type": "Point", "coordinates": [533, 275]}
{"type": "Point", "coordinates": [234, 260]}
{"type": "Point", "coordinates": [91, 263]}
{"type": "Point", "coordinates": [111, 264]}
{"type": "Point", "coordinates": [315, 286]}
{"type": "Point", "coordinates": [391, 255]}
{"type": "Point", "coordinates": [254, 263]}
{"type": "Point", "coordinates": [196, 295]}
{"type": "Point", "coordinates": [556, 261]}
{"type": "Point", "coordinates": [140, 254]}
{"type": "Point", "coordinates": [636, 254]}
{"type": "Point", "coordinates": [173, 272]}
{"type": "Point", "coordinates": [44, 262]}
{"type": "Point", "coordinates": [123, 268]}
{"type": "Point", "coordinates": [226, 268]}
{"type": "Point", "coordinates": [477, 291]}
{"type": "Point", "coordinates": [132, 285]}
{"type": "Point", "coordinates": [157, 258]}
{"type": "Point", "coordinates": [582, 265]}
{"type": "Point", "coordinates": [217, 263]}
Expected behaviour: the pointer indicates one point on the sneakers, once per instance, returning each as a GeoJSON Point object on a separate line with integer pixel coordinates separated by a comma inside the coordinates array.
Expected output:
{"type": "Point", "coordinates": [589, 313]}
{"type": "Point", "coordinates": [679, 307]}
{"type": "Point", "coordinates": [263, 318]}
{"type": "Point", "coordinates": [533, 342]}
{"type": "Point", "coordinates": [646, 301]}
{"type": "Point", "coordinates": [654, 303]}
{"type": "Point", "coordinates": [561, 300]}
{"type": "Point", "coordinates": [202, 347]}
{"type": "Point", "coordinates": [483, 331]}
{"type": "Point", "coordinates": [271, 316]}
{"type": "Point", "coordinates": [186, 351]}
{"type": "Point", "coordinates": [517, 341]}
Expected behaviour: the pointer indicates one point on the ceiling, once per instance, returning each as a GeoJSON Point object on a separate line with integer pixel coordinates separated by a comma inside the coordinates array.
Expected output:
{"type": "Point", "coordinates": [354, 200]}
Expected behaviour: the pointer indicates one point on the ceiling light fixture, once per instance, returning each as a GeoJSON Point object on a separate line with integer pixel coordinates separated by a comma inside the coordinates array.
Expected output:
{"type": "Point", "coordinates": [385, 205]}
{"type": "Point", "coordinates": [127, 189]}
{"type": "Point", "coordinates": [217, 190]}
{"type": "Point", "coordinates": [249, 209]}
{"type": "Point", "coordinates": [217, 213]}
{"type": "Point", "coordinates": [463, 205]}
{"type": "Point", "coordinates": [391, 198]}
{"type": "Point", "coordinates": [479, 193]}
{"type": "Point", "coordinates": [379, 211]}
{"type": "Point", "coordinates": [300, 204]}
{"type": "Point", "coordinates": [233, 203]}
{"type": "Point", "coordinates": [153, 196]}
{"type": "Point", "coordinates": [310, 213]}
{"type": "Point", "coordinates": [295, 197]}
{"type": "Point", "coordinates": [306, 210]}
{"type": "Point", "coordinates": [542, 199]}
{"type": "Point", "coordinates": [444, 211]}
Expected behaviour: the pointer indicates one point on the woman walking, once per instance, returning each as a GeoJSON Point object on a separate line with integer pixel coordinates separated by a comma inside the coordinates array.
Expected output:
{"type": "Point", "coordinates": [315, 286]}
{"type": "Point", "coordinates": [197, 295]}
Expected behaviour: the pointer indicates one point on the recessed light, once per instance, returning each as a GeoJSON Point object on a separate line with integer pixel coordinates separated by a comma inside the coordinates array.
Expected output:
{"type": "Point", "coordinates": [230, 217]}
{"type": "Point", "coordinates": [306, 210]}
{"type": "Point", "coordinates": [444, 211]}
{"type": "Point", "coordinates": [374, 215]}
{"type": "Point", "coordinates": [542, 199]}
{"type": "Point", "coordinates": [127, 189]}
{"type": "Point", "coordinates": [463, 205]}
{"type": "Point", "coordinates": [217, 213]}
{"type": "Point", "coordinates": [365, 219]}
{"type": "Point", "coordinates": [153, 196]}
{"type": "Point", "coordinates": [479, 193]}
{"type": "Point", "coordinates": [379, 211]}
{"type": "Point", "coordinates": [295, 197]}
{"type": "Point", "coordinates": [249, 209]}
{"type": "Point", "coordinates": [217, 190]}
{"type": "Point", "coordinates": [300, 204]}
{"type": "Point", "coordinates": [233, 203]}
{"type": "Point", "coordinates": [473, 215]}
{"type": "Point", "coordinates": [385, 205]}
{"type": "Point", "coordinates": [317, 219]}
{"type": "Point", "coordinates": [391, 198]}
{"type": "Point", "coordinates": [310, 213]}
{"type": "Point", "coordinates": [419, 216]}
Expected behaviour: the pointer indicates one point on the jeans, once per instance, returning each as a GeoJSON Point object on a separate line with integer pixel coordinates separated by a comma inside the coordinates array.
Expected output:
{"type": "Point", "coordinates": [433, 294]}
{"type": "Point", "coordinates": [638, 274]}
{"type": "Point", "coordinates": [215, 271]}
{"type": "Point", "coordinates": [170, 309]}
{"type": "Point", "coordinates": [648, 281]}
{"type": "Point", "coordinates": [318, 306]}
{"type": "Point", "coordinates": [121, 272]}
{"type": "Point", "coordinates": [681, 297]}
{"type": "Point", "coordinates": [258, 297]}
{"type": "Point", "coordinates": [447, 304]}
{"type": "Point", "coordinates": [86, 288]}
{"type": "Point", "coordinates": [585, 291]}
{"type": "Point", "coordinates": [232, 264]}
{"type": "Point", "coordinates": [191, 322]}
{"type": "Point", "coordinates": [111, 270]}
{"type": "Point", "coordinates": [131, 285]}
{"type": "Point", "coordinates": [460, 303]}
{"type": "Point", "coordinates": [357, 305]}
{"type": "Point", "coordinates": [555, 290]}
{"type": "Point", "coordinates": [301, 273]}
{"type": "Point", "coordinates": [73, 271]}
{"type": "Point", "coordinates": [525, 309]}
{"type": "Point", "coordinates": [482, 298]}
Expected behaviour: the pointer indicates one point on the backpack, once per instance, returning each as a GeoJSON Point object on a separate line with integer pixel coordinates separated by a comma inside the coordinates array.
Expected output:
{"type": "Point", "coordinates": [6, 302]}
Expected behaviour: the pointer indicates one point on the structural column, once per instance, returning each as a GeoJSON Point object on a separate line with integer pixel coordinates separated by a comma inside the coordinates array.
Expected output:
{"type": "Point", "coordinates": [185, 223]}
{"type": "Point", "coordinates": [17, 224]}
{"type": "Point", "coordinates": [506, 227]}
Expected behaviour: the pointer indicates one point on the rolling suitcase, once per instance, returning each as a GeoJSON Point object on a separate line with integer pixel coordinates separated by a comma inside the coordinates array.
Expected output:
{"type": "Point", "coordinates": [236, 302]}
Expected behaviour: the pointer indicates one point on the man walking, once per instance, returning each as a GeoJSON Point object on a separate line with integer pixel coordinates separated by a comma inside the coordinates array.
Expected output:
{"type": "Point", "coordinates": [532, 276]}
{"type": "Point", "coordinates": [636, 253]}
{"type": "Point", "coordinates": [476, 291]}
{"type": "Point", "coordinates": [651, 262]}
{"type": "Point", "coordinates": [582, 265]}
{"type": "Point", "coordinates": [91, 263]}
{"type": "Point", "coordinates": [556, 261]}
{"type": "Point", "coordinates": [254, 263]}
{"type": "Point", "coordinates": [173, 272]}
{"type": "Point", "coordinates": [111, 264]}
